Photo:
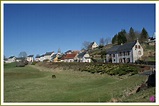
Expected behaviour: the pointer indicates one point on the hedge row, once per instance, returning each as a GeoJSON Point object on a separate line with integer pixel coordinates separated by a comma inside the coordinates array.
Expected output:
{"type": "Point", "coordinates": [111, 69]}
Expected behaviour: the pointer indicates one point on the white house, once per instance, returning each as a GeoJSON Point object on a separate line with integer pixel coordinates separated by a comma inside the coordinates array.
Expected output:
{"type": "Point", "coordinates": [70, 57]}
{"type": "Point", "coordinates": [48, 55]}
{"type": "Point", "coordinates": [30, 58]}
{"type": "Point", "coordinates": [10, 59]}
{"type": "Point", "coordinates": [92, 45]}
{"type": "Point", "coordinates": [84, 57]}
{"type": "Point", "coordinates": [68, 52]}
{"type": "Point", "coordinates": [151, 41]}
{"type": "Point", "coordinates": [37, 58]}
{"type": "Point", "coordinates": [126, 53]}
{"type": "Point", "coordinates": [41, 58]}
{"type": "Point", "coordinates": [18, 59]}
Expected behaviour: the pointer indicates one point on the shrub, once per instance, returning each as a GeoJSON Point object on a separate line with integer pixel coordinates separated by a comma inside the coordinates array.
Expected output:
{"type": "Point", "coordinates": [20, 64]}
{"type": "Point", "coordinates": [139, 62]}
{"type": "Point", "coordinates": [46, 60]}
{"type": "Point", "coordinates": [93, 60]}
{"type": "Point", "coordinates": [33, 63]}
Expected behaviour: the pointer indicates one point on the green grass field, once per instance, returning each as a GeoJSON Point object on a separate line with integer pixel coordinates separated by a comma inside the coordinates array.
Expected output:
{"type": "Point", "coordinates": [35, 84]}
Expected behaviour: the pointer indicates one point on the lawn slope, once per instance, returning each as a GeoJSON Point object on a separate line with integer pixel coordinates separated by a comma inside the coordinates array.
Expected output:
{"type": "Point", "coordinates": [35, 84]}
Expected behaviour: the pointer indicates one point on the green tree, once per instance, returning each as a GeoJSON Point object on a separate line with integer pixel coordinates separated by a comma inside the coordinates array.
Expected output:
{"type": "Point", "coordinates": [144, 35]}
{"type": "Point", "coordinates": [115, 39]}
{"type": "Point", "coordinates": [103, 55]}
{"type": "Point", "coordinates": [131, 36]}
{"type": "Point", "coordinates": [122, 37]}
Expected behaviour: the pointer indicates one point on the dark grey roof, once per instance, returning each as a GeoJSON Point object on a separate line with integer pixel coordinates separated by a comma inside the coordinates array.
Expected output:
{"type": "Point", "coordinates": [90, 45]}
{"type": "Point", "coordinates": [11, 57]}
{"type": "Point", "coordinates": [68, 51]}
{"type": "Point", "coordinates": [113, 49]}
{"type": "Point", "coordinates": [127, 46]}
{"type": "Point", "coordinates": [81, 55]}
{"type": "Point", "coordinates": [42, 55]}
{"type": "Point", "coordinates": [20, 58]}
{"type": "Point", "coordinates": [48, 53]}
{"type": "Point", "coordinates": [54, 56]}
{"type": "Point", "coordinates": [38, 56]}
{"type": "Point", "coordinates": [31, 56]}
{"type": "Point", "coordinates": [119, 48]}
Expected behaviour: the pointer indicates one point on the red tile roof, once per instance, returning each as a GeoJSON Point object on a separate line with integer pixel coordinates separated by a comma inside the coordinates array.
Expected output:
{"type": "Point", "coordinates": [70, 56]}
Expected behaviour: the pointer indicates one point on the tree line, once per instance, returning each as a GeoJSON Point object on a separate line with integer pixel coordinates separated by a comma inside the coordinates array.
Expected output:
{"type": "Point", "coordinates": [123, 37]}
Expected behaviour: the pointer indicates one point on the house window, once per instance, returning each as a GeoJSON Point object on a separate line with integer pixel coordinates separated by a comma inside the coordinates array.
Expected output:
{"type": "Point", "coordinates": [113, 55]}
{"type": "Point", "coordinates": [114, 59]}
{"type": "Point", "coordinates": [135, 46]}
{"type": "Point", "coordinates": [139, 52]}
{"type": "Point", "coordinates": [120, 54]}
{"type": "Point", "coordinates": [128, 53]}
{"type": "Point", "coordinates": [123, 60]}
{"type": "Point", "coordinates": [139, 46]}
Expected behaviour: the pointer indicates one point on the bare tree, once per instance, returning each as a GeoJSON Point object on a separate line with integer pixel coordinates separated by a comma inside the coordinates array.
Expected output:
{"type": "Point", "coordinates": [85, 45]}
{"type": "Point", "coordinates": [137, 34]}
{"type": "Point", "coordinates": [102, 42]}
{"type": "Point", "coordinates": [23, 54]}
{"type": "Point", "coordinates": [59, 51]}
{"type": "Point", "coordinates": [107, 40]}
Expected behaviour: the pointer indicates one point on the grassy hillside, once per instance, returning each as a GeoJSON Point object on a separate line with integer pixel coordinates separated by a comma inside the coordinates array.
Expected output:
{"type": "Point", "coordinates": [35, 84]}
{"type": "Point", "coordinates": [149, 52]}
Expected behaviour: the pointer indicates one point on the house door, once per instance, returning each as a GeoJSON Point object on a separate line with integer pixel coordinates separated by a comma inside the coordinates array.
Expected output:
{"type": "Point", "coordinates": [123, 60]}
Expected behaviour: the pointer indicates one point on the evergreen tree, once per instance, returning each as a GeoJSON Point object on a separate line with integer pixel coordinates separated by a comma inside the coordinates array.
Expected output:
{"type": "Point", "coordinates": [114, 39]}
{"type": "Point", "coordinates": [144, 35]}
{"type": "Point", "coordinates": [122, 37]}
{"type": "Point", "coordinates": [132, 35]}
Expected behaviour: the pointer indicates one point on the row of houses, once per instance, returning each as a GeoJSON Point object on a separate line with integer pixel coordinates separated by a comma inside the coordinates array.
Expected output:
{"type": "Point", "coordinates": [124, 53]}
{"type": "Point", "coordinates": [18, 59]}
{"type": "Point", "coordinates": [69, 56]}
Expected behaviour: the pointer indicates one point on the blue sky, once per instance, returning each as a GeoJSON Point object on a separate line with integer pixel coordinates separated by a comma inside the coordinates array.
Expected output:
{"type": "Point", "coordinates": [40, 28]}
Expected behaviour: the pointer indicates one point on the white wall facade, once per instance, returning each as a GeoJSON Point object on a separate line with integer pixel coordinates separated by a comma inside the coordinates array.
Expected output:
{"type": "Point", "coordinates": [41, 59]}
{"type": "Point", "coordinates": [68, 60]}
{"type": "Point", "coordinates": [37, 59]}
{"type": "Point", "coordinates": [94, 45]}
{"type": "Point", "coordinates": [126, 56]}
{"type": "Point", "coordinates": [30, 59]}
{"type": "Point", "coordinates": [48, 56]}
{"type": "Point", "coordinates": [10, 60]}
{"type": "Point", "coordinates": [137, 52]}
